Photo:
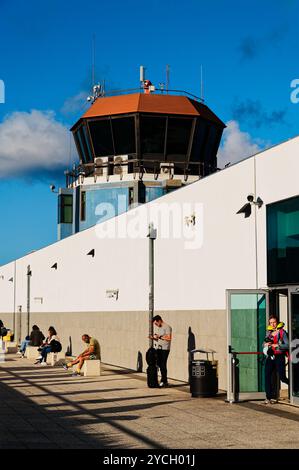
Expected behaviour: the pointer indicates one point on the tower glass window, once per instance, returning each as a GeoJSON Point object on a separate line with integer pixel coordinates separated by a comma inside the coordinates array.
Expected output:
{"type": "Point", "coordinates": [152, 130]}
{"type": "Point", "coordinates": [283, 242]}
{"type": "Point", "coordinates": [101, 136]}
{"type": "Point", "coordinates": [65, 209]}
{"type": "Point", "coordinates": [124, 135]}
{"type": "Point", "coordinates": [178, 136]}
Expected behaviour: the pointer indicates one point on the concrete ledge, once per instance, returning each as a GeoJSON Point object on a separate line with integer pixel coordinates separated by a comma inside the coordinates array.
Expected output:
{"type": "Point", "coordinates": [91, 368]}
{"type": "Point", "coordinates": [54, 358]}
{"type": "Point", "coordinates": [11, 347]}
{"type": "Point", "coordinates": [32, 352]}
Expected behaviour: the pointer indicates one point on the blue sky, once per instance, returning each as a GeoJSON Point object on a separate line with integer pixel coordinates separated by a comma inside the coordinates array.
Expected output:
{"type": "Point", "coordinates": [249, 51]}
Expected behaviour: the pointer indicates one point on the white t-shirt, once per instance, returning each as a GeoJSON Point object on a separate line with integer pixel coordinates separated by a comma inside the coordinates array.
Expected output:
{"type": "Point", "coordinates": [162, 331]}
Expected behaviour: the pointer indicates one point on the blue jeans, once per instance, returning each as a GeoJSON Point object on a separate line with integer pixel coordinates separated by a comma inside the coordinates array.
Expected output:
{"type": "Point", "coordinates": [45, 351]}
{"type": "Point", "coordinates": [277, 364]}
{"type": "Point", "coordinates": [24, 345]}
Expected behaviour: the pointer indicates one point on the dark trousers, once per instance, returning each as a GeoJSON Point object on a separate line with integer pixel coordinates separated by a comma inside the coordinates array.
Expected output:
{"type": "Point", "coordinates": [162, 356]}
{"type": "Point", "coordinates": [277, 364]}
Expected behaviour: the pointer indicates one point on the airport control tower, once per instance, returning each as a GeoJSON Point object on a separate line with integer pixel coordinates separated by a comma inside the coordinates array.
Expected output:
{"type": "Point", "coordinates": [134, 147]}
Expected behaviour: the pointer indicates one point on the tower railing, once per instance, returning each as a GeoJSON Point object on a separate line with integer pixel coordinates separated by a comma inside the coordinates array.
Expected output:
{"type": "Point", "coordinates": [139, 167]}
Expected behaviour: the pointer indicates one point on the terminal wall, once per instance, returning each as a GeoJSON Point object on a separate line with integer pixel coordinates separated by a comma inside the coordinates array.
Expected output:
{"type": "Point", "coordinates": [191, 275]}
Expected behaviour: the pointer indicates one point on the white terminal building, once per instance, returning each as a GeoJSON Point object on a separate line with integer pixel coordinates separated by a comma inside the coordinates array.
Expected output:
{"type": "Point", "coordinates": [226, 253]}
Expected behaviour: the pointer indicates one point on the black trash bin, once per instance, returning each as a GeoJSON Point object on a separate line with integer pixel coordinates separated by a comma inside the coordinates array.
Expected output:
{"type": "Point", "coordinates": [203, 374]}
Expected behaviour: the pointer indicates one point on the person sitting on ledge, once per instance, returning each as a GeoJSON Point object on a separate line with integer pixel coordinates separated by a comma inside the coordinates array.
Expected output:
{"type": "Point", "coordinates": [36, 338]}
{"type": "Point", "coordinates": [92, 352]}
{"type": "Point", "coordinates": [52, 344]}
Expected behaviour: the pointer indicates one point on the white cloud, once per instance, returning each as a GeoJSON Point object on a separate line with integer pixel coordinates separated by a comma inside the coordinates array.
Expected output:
{"type": "Point", "coordinates": [31, 141]}
{"type": "Point", "coordinates": [75, 103]}
{"type": "Point", "coordinates": [237, 145]}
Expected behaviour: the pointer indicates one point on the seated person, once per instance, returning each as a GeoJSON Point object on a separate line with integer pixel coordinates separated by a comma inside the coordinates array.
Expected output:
{"type": "Point", "coordinates": [23, 346]}
{"type": "Point", "coordinates": [52, 344]}
{"type": "Point", "coordinates": [3, 330]}
{"type": "Point", "coordinates": [93, 351]}
{"type": "Point", "coordinates": [35, 339]}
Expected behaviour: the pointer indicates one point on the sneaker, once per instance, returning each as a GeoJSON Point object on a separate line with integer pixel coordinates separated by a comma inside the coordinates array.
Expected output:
{"type": "Point", "coordinates": [43, 363]}
{"type": "Point", "coordinates": [273, 401]}
{"type": "Point", "coordinates": [65, 367]}
{"type": "Point", "coordinates": [76, 374]}
{"type": "Point", "coordinates": [267, 402]}
{"type": "Point", "coordinates": [163, 384]}
{"type": "Point", "coordinates": [37, 362]}
{"type": "Point", "coordinates": [20, 353]}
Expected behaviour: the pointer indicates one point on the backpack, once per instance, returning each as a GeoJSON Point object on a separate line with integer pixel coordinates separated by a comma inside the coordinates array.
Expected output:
{"type": "Point", "coordinates": [55, 346]}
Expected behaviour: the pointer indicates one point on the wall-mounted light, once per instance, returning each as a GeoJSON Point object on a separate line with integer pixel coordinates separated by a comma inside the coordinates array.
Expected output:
{"type": "Point", "coordinates": [190, 220]}
{"type": "Point", "coordinates": [54, 266]}
{"type": "Point", "coordinates": [52, 188]}
{"type": "Point", "coordinates": [10, 280]}
{"type": "Point", "coordinates": [91, 253]}
{"type": "Point", "coordinates": [246, 209]}
{"type": "Point", "coordinates": [112, 293]}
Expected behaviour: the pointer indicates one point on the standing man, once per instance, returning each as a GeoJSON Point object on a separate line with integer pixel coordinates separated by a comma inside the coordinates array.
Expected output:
{"type": "Point", "coordinates": [93, 351]}
{"type": "Point", "coordinates": [162, 342]}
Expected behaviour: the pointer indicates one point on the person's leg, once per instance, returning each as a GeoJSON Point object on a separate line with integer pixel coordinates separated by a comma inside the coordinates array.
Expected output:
{"type": "Point", "coordinates": [23, 346]}
{"type": "Point", "coordinates": [80, 364]}
{"type": "Point", "coordinates": [269, 367]}
{"type": "Point", "coordinates": [281, 368]}
{"type": "Point", "coordinates": [162, 363]}
{"type": "Point", "coordinates": [46, 350]}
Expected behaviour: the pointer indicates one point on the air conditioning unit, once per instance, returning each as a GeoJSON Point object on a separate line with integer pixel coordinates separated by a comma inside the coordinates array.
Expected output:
{"type": "Point", "coordinates": [167, 168]}
{"type": "Point", "coordinates": [120, 165]}
{"type": "Point", "coordinates": [100, 166]}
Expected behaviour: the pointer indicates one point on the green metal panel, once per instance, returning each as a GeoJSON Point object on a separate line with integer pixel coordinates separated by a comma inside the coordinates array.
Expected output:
{"type": "Point", "coordinates": [248, 327]}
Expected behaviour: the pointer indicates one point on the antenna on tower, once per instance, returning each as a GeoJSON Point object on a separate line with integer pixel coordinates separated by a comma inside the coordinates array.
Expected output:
{"type": "Point", "coordinates": [93, 78]}
{"type": "Point", "coordinates": [201, 83]}
{"type": "Point", "coordinates": [142, 74]}
{"type": "Point", "coordinates": [167, 77]}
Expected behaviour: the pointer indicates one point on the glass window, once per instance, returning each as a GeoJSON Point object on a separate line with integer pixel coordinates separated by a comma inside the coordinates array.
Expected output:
{"type": "Point", "coordinates": [83, 145]}
{"type": "Point", "coordinates": [78, 145]}
{"type": "Point", "coordinates": [124, 135]}
{"type": "Point", "coordinates": [283, 242]}
{"type": "Point", "coordinates": [178, 136]}
{"type": "Point", "coordinates": [83, 206]}
{"type": "Point", "coordinates": [101, 136]}
{"type": "Point", "coordinates": [65, 209]}
{"type": "Point", "coordinates": [200, 137]}
{"type": "Point", "coordinates": [152, 130]}
{"type": "Point", "coordinates": [87, 143]}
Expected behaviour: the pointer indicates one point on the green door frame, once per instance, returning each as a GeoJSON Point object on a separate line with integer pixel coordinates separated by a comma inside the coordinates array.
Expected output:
{"type": "Point", "coordinates": [292, 290]}
{"type": "Point", "coordinates": [244, 395]}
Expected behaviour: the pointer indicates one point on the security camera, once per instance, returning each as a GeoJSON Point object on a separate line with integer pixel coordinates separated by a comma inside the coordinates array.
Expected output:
{"type": "Point", "coordinates": [52, 187]}
{"type": "Point", "coordinates": [89, 98]}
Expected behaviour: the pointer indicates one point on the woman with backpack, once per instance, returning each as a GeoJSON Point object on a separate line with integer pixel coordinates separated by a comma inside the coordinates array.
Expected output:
{"type": "Point", "coordinates": [276, 348]}
{"type": "Point", "coordinates": [52, 344]}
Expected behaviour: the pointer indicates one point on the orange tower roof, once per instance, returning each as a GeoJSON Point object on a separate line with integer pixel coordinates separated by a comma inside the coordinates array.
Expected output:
{"type": "Point", "coordinates": [149, 103]}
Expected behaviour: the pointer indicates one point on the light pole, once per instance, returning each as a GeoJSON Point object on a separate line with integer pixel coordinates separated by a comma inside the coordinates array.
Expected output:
{"type": "Point", "coordinates": [29, 274]}
{"type": "Point", "coordinates": [152, 235]}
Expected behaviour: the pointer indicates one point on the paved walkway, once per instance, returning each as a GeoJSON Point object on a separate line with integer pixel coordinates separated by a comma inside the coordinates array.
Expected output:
{"type": "Point", "coordinates": [47, 408]}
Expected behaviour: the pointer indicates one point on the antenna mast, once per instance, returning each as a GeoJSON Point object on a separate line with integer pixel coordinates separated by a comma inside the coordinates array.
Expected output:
{"type": "Point", "coordinates": [201, 83]}
{"type": "Point", "coordinates": [93, 78]}
{"type": "Point", "coordinates": [167, 78]}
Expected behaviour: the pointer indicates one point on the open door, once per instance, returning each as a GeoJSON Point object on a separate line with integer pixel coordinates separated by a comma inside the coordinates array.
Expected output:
{"type": "Point", "coordinates": [247, 319]}
{"type": "Point", "coordinates": [294, 344]}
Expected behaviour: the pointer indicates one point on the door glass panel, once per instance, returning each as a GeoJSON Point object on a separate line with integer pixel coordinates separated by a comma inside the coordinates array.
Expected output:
{"type": "Point", "coordinates": [295, 343]}
{"type": "Point", "coordinates": [248, 329]}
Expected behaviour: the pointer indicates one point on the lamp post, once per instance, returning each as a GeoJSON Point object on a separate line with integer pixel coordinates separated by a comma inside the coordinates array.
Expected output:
{"type": "Point", "coordinates": [29, 274]}
{"type": "Point", "coordinates": [152, 235]}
